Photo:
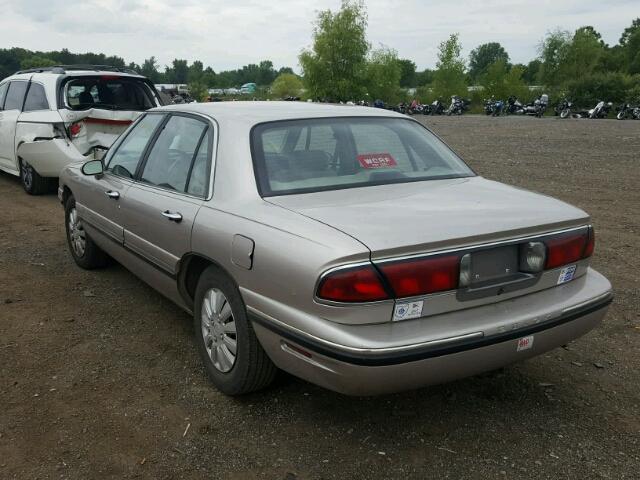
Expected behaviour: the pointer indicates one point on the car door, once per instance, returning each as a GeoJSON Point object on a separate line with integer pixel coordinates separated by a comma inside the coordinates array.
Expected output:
{"type": "Point", "coordinates": [171, 185]}
{"type": "Point", "coordinates": [100, 197]}
{"type": "Point", "coordinates": [11, 108]}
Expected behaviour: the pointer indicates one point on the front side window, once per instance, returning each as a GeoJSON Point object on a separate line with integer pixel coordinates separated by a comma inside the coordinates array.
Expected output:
{"type": "Point", "coordinates": [332, 153]}
{"type": "Point", "coordinates": [36, 98]}
{"type": "Point", "coordinates": [176, 154]}
{"type": "Point", "coordinates": [109, 93]}
{"type": "Point", "coordinates": [15, 95]}
{"type": "Point", "coordinates": [128, 154]}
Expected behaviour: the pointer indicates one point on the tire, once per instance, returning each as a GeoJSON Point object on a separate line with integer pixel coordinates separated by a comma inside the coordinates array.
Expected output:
{"type": "Point", "coordinates": [250, 369]}
{"type": "Point", "coordinates": [31, 181]}
{"type": "Point", "coordinates": [564, 113]}
{"type": "Point", "coordinates": [620, 116]}
{"type": "Point", "coordinates": [89, 257]}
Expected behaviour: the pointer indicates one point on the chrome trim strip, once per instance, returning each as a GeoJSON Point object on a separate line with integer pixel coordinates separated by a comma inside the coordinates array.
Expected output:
{"type": "Point", "coordinates": [401, 348]}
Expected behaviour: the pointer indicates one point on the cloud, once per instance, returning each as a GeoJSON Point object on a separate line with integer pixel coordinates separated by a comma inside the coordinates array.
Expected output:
{"type": "Point", "coordinates": [228, 34]}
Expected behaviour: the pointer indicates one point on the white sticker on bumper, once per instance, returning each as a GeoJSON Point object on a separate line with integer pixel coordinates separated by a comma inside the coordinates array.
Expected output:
{"type": "Point", "coordinates": [566, 274]}
{"type": "Point", "coordinates": [405, 311]}
{"type": "Point", "coordinates": [525, 343]}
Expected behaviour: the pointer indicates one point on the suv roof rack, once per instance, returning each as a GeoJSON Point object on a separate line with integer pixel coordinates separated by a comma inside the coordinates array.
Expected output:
{"type": "Point", "coordinates": [60, 69]}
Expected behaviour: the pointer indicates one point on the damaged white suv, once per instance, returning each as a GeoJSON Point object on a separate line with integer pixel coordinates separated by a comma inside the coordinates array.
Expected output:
{"type": "Point", "coordinates": [50, 117]}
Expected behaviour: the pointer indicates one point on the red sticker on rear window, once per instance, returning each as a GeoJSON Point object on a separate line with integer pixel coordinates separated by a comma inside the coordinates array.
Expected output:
{"type": "Point", "coordinates": [376, 160]}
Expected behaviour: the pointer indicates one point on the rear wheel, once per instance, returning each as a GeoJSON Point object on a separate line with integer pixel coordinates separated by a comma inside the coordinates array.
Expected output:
{"type": "Point", "coordinates": [31, 181]}
{"type": "Point", "coordinates": [83, 250]}
{"type": "Point", "coordinates": [564, 113]}
{"type": "Point", "coordinates": [228, 346]}
{"type": "Point", "coordinates": [620, 116]}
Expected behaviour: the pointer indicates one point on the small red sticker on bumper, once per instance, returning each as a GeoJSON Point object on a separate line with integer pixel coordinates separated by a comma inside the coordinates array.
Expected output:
{"type": "Point", "coordinates": [525, 343]}
{"type": "Point", "coordinates": [376, 160]}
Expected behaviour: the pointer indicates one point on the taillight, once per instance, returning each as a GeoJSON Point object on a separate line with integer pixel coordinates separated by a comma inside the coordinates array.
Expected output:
{"type": "Point", "coordinates": [569, 248]}
{"type": "Point", "coordinates": [358, 284]}
{"type": "Point", "coordinates": [409, 278]}
{"type": "Point", "coordinates": [75, 129]}
{"type": "Point", "coordinates": [591, 244]}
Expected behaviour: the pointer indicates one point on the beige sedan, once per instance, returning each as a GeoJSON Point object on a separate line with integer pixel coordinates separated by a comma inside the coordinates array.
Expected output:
{"type": "Point", "coordinates": [348, 246]}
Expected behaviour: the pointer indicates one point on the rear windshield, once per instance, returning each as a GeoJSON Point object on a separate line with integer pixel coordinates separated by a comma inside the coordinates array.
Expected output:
{"type": "Point", "coordinates": [334, 153]}
{"type": "Point", "coordinates": [108, 92]}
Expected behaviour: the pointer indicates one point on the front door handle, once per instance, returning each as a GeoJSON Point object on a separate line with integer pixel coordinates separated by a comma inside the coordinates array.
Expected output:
{"type": "Point", "coordinates": [112, 194]}
{"type": "Point", "coordinates": [173, 216]}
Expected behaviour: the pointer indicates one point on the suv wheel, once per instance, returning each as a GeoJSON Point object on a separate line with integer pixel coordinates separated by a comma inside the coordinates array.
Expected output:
{"type": "Point", "coordinates": [31, 181]}
{"type": "Point", "coordinates": [228, 346]}
{"type": "Point", "coordinates": [83, 250]}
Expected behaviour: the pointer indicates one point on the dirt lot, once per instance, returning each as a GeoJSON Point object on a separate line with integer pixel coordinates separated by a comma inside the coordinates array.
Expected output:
{"type": "Point", "coordinates": [99, 377]}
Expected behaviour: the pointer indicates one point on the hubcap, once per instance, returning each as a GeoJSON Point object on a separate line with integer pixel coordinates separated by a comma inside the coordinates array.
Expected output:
{"type": "Point", "coordinates": [77, 235]}
{"type": "Point", "coordinates": [27, 174]}
{"type": "Point", "coordinates": [219, 330]}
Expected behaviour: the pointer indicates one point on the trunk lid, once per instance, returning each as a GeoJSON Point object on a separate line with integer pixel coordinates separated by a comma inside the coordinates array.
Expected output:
{"type": "Point", "coordinates": [411, 218]}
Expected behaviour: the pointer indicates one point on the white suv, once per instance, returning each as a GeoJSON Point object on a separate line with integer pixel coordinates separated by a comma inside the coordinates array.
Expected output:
{"type": "Point", "coordinates": [50, 117]}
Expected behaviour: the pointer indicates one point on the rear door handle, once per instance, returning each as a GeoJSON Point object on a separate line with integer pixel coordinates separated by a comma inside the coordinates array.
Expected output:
{"type": "Point", "coordinates": [112, 194]}
{"type": "Point", "coordinates": [173, 216]}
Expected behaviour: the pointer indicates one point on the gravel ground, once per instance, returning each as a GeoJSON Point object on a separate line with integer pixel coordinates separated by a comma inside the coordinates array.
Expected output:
{"type": "Point", "coordinates": [99, 377]}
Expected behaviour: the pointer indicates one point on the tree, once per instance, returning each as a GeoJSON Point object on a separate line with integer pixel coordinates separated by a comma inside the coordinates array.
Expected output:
{"type": "Point", "coordinates": [178, 72]}
{"type": "Point", "coordinates": [635, 26]}
{"type": "Point", "coordinates": [286, 85]}
{"type": "Point", "coordinates": [449, 78]}
{"type": "Point", "coordinates": [553, 52]}
{"type": "Point", "coordinates": [335, 66]}
{"type": "Point", "coordinates": [35, 61]}
{"type": "Point", "coordinates": [424, 77]}
{"type": "Point", "coordinates": [483, 56]}
{"type": "Point", "coordinates": [532, 72]}
{"type": "Point", "coordinates": [149, 69]}
{"type": "Point", "coordinates": [408, 76]}
{"type": "Point", "coordinates": [582, 54]}
{"type": "Point", "coordinates": [501, 80]}
{"type": "Point", "coordinates": [195, 72]}
{"type": "Point", "coordinates": [384, 71]}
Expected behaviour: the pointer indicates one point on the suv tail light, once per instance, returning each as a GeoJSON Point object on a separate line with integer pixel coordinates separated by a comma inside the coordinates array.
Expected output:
{"type": "Point", "coordinates": [569, 248]}
{"type": "Point", "coordinates": [75, 129]}
{"type": "Point", "coordinates": [359, 284]}
{"type": "Point", "coordinates": [409, 278]}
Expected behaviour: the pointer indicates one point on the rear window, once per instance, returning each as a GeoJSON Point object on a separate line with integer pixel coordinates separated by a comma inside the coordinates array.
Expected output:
{"type": "Point", "coordinates": [109, 93]}
{"type": "Point", "coordinates": [334, 153]}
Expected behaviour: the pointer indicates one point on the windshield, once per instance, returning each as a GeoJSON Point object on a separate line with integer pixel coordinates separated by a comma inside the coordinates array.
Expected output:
{"type": "Point", "coordinates": [334, 153]}
{"type": "Point", "coordinates": [108, 92]}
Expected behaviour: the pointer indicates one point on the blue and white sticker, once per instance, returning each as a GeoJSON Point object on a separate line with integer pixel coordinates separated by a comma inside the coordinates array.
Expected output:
{"type": "Point", "coordinates": [405, 311]}
{"type": "Point", "coordinates": [567, 274]}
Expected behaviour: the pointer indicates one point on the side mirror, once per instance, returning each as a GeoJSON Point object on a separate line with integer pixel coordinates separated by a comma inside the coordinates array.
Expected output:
{"type": "Point", "coordinates": [93, 167]}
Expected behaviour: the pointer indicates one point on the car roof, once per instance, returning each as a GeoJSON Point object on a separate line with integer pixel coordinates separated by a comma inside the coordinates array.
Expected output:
{"type": "Point", "coordinates": [254, 112]}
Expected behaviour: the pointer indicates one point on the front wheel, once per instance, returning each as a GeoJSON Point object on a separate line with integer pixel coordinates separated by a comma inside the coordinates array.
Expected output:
{"type": "Point", "coordinates": [232, 355]}
{"type": "Point", "coordinates": [84, 251]}
{"type": "Point", "coordinates": [31, 181]}
{"type": "Point", "coordinates": [564, 113]}
{"type": "Point", "coordinates": [620, 116]}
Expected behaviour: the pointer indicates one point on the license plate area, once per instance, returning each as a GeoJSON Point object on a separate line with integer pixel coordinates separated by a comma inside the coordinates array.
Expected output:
{"type": "Point", "coordinates": [495, 271]}
{"type": "Point", "coordinates": [494, 265]}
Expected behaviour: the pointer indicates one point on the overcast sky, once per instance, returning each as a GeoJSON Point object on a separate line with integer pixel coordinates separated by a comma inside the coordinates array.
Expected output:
{"type": "Point", "coordinates": [230, 33]}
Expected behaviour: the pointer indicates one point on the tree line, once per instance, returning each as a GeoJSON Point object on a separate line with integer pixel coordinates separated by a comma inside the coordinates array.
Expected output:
{"type": "Point", "coordinates": [341, 65]}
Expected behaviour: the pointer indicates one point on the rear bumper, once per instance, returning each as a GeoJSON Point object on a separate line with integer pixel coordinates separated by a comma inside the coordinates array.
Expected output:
{"type": "Point", "coordinates": [50, 157]}
{"type": "Point", "coordinates": [358, 369]}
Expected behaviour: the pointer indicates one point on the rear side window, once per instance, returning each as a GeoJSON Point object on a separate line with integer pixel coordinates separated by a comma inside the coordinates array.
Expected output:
{"type": "Point", "coordinates": [36, 98]}
{"type": "Point", "coordinates": [109, 93]}
{"type": "Point", "coordinates": [3, 93]}
{"type": "Point", "coordinates": [175, 154]}
{"type": "Point", "coordinates": [15, 95]}
{"type": "Point", "coordinates": [128, 154]}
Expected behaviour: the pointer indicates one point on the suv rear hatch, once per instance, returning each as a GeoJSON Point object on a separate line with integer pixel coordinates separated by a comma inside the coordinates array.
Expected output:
{"type": "Point", "coordinates": [96, 109]}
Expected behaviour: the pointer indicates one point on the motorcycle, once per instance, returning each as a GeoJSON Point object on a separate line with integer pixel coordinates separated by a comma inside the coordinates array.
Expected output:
{"type": "Point", "coordinates": [538, 107]}
{"type": "Point", "coordinates": [627, 111]}
{"type": "Point", "coordinates": [437, 108]}
{"type": "Point", "coordinates": [514, 106]}
{"type": "Point", "coordinates": [563, 108]}
{"type": "Point", "coordinates": [458, 105]}
{"type": "Point", "coordinates": [493, 107]}
{"type": "Point", "coordinates": [601, 110]}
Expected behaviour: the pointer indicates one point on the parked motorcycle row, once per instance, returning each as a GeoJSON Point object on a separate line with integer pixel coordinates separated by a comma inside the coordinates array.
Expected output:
{"type": "Point", "coordinates": [513, 106]}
